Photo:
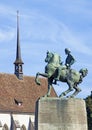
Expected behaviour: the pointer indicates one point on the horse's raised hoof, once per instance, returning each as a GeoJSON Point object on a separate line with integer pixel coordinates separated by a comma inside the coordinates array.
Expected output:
{"type": "Point", "coordinates": [38, 83]}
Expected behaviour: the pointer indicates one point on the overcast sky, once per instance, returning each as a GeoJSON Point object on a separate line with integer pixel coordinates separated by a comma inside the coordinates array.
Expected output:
{"type": "Point", "coordinates": [47, 25]}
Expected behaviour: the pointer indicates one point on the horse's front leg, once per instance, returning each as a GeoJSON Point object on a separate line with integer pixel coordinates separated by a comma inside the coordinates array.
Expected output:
{"type": "Point", "coordinates": [49, 87]}
{"type": "Point", "coordinates": [49, 91]}
{"type": "Point", "coordinates": [37, 77]}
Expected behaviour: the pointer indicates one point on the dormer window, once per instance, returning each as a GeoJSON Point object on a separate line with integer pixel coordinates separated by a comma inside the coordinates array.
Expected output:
{"type": "Point", "coordinates": [17, 102]}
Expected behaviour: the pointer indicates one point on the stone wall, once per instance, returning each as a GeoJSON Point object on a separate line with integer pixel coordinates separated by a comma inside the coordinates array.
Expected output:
{"type": "Point", "coordinates": [60, 114]}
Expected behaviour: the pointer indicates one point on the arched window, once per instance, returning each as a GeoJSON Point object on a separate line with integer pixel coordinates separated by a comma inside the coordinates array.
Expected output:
{"type": "Point", "coordinates": [5, 127]}
{"type": "Point", "coordinates": [23, 127]}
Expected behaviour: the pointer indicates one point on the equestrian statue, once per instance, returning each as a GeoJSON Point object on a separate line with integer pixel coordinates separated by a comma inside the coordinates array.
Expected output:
{"type": "Point", "coordinates": [56, 71]}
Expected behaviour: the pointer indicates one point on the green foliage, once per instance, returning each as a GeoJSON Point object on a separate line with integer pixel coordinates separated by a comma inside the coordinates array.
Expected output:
{"type": "Point", "coordinates": [88, 101]}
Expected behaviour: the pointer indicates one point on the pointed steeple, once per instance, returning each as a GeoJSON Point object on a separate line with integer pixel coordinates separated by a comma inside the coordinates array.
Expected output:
{"type": "Point", "coordinates": [18, 62]}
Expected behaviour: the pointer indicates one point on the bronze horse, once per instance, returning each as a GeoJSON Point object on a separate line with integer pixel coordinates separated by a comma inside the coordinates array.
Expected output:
{"type": "Point", "coordinates": [70, 76]}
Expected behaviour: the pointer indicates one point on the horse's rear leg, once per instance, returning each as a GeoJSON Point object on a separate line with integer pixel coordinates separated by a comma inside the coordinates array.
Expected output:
{"type": "Point", "coordinates": [77, 90]}
{"type": "Point", "coordinates": [65, 93]}
{"type": "Point", "coordinates": [70, 84]}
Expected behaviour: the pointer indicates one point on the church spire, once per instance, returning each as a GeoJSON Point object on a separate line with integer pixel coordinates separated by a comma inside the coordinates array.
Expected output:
{"type": "Point", "coordinates": [18, 62]}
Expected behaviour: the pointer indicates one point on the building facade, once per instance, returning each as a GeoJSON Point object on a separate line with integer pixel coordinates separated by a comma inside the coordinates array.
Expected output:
{"type": "Point", "coordinates": [18, 95]}
{"type": "Point", "coordinates": [17, 101]}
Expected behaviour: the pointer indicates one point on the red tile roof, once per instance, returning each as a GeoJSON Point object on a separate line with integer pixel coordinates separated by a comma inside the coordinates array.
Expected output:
{"type": "Point", "coordinates": [26, 91]}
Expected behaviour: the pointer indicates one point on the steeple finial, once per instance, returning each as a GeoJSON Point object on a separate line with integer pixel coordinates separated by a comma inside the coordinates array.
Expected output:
{"type": "Point", "coordinates": [18, 62]}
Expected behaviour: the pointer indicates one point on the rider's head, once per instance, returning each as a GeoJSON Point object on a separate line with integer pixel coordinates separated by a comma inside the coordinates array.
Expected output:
{"type": "Point", "coordinates": [47, 52]}
{"type": "Point", "coordinates": [67, 51]}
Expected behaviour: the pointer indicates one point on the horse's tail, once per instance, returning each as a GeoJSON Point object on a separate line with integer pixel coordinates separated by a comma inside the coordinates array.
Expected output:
{"type": "Point", "coordinates": [83, 72]}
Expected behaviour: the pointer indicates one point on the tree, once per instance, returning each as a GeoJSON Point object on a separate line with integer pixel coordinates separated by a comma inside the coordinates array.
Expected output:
{"type": "Point", "coordinates": [88, 101]}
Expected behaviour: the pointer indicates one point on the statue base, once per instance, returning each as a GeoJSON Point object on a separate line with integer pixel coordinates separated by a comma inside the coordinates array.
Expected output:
{"type": "Point", "coordinates": [60, 114]}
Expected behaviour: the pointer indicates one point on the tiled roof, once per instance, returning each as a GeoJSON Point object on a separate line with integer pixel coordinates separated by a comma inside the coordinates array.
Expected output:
{"type": "Point", "coordinates": [25, 91]}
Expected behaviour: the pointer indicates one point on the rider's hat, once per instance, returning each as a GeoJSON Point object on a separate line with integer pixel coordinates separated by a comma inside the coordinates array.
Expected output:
{"type": "Point", "coordinates": [67, 50]}
{"type": "Point", "coordinates": [47, 52]}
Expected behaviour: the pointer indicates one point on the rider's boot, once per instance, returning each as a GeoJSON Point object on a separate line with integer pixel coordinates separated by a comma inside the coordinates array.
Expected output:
{"type": "Point", "coordinates": [58, 75]}
{"type": "Point", "coordinates": [57, 78]}
{"type": "Point", "coordinates": [55, 82]}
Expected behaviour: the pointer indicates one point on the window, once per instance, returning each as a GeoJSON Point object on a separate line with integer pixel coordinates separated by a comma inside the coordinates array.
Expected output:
{"type": "Point", "coordinates": [5, 127]}
{"type": "Point", "coordinates": [23, 127]}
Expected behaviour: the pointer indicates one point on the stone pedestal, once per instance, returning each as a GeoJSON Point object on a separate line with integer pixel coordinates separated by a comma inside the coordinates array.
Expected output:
{"type": "Point", "coordinates": [60, 114]}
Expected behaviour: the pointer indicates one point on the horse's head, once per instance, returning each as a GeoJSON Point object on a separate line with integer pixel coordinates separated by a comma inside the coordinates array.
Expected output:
{"type": "Point", "coordinates": [53, 58]}
{"type": "Point", "coordinates": [49, 56]}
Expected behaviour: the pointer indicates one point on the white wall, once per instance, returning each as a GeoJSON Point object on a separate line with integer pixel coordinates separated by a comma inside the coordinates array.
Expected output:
{"type": "Point", "coordinates": [5, 119]}
{"type": "Point", "coordinates": [23, 119]}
